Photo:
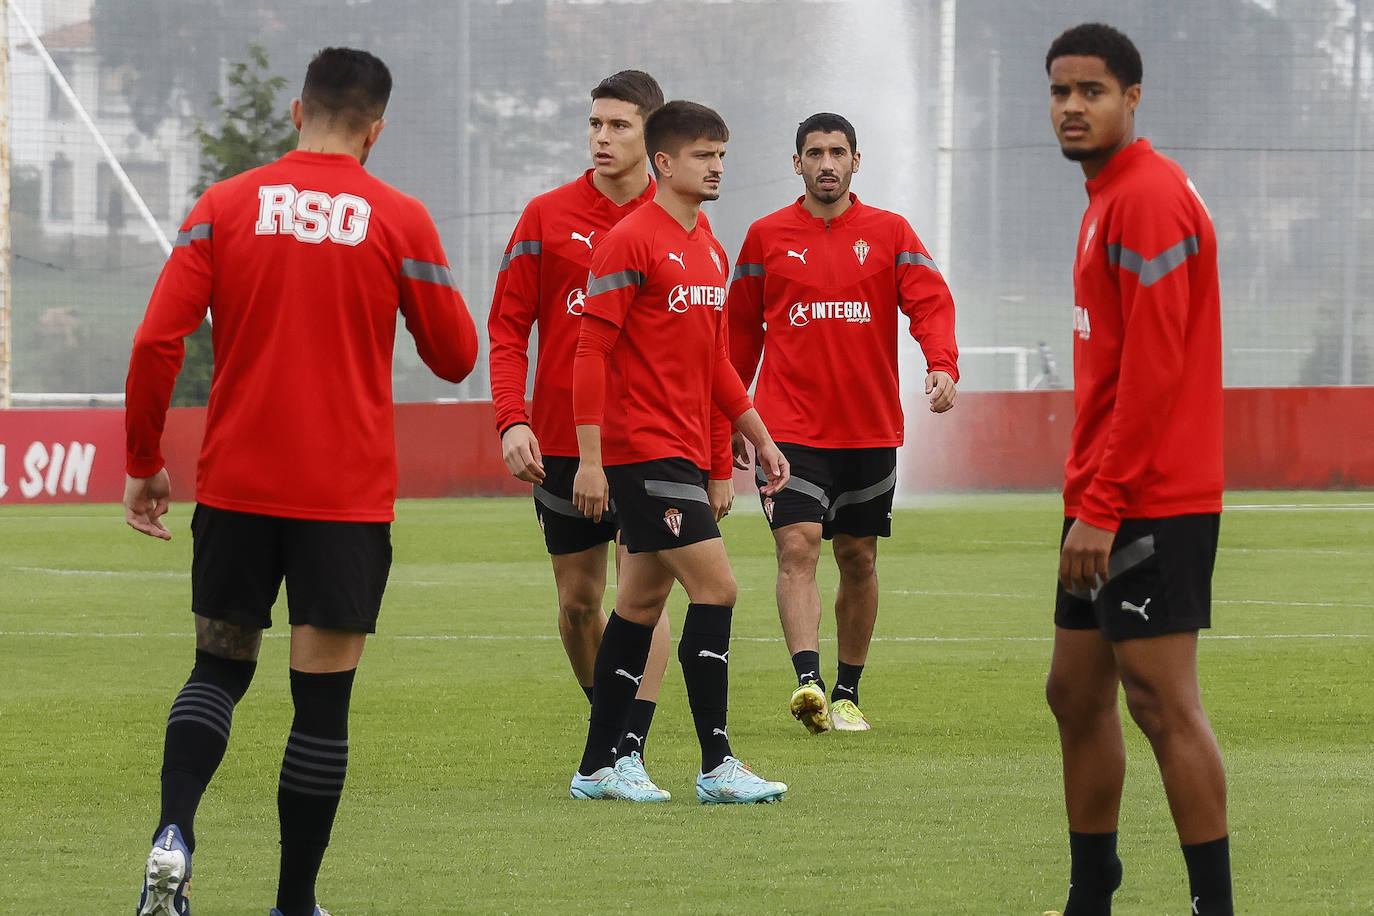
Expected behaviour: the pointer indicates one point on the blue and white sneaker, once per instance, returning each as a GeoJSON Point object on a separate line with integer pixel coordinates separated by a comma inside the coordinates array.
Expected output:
{"type": "Point", "coordinates": [167, 877]}
{"type": "Point", "coordinates": [632, 768]}
{"type": "Point", "coordinates": [733, 783]}
{"type": "Point", "coordinates": [319, 911]}
{"type": "Point", "coordinates": [610, 783]}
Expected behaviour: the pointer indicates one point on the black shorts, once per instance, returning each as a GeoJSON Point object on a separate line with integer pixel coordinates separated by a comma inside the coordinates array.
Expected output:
{"type": "Point", "coordinates": [661, 504]}
{"type": "Point", "coordinates": [1161, 580]}
{"type": "Point", "coordinates": [846, 490]}
{"type": "Point", "coordinates": [566, 529]}
{"type": "Point", "coordinates": [335, 572]}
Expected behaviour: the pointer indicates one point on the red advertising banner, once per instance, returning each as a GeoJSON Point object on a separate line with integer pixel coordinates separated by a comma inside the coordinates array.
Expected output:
{"type": "Point", "coordinates": [1276, 438]}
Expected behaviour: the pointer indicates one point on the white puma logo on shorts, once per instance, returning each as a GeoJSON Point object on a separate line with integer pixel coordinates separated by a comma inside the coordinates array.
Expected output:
{"type": "Point", "coordinates": [623, 673]}
{"type": "Point", "coordinates": [1140, 609]}
{"type": "Point", "coordinates": [719, 731]}
{"type": "Point", "coordinates": [707, 653]}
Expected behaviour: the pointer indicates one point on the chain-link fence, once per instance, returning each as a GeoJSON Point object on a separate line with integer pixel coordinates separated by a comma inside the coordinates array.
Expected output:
{"type": "Point", "coordinates": [1262, 101]}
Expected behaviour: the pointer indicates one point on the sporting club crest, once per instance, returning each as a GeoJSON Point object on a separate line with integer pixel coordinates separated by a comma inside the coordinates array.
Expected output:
{"type": "Point", "coordinates": [674, 520]}
{"type": "Point", "coordinates": [768, 507]}
{"type": "Point", "coordinates": [715, 259]}
{"type": "Point", "coordinates": [861, 251]}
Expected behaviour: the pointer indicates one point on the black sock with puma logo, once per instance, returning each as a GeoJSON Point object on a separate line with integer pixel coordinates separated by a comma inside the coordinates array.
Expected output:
{"type": "Point", "coordinates": [619, 668]}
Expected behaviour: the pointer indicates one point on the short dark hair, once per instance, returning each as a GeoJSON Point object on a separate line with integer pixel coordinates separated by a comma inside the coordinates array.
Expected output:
{"type": "Point", "coordinates": [826, 122]}
{"type": "Point", "coordinates": [634, 86]}
{"type": "Point", "coordinates": [346, 83]}
{"type": "Point", "coordinates": [1093, 39]}
{"type": "Point", "coordinates": [678, 123]}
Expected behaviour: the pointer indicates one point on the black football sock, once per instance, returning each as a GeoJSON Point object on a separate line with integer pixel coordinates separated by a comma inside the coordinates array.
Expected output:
{"type": "Point", "coordinates": [1094, 874]}
{"type": "Point", "coordinates": [620, 665]}
{"type": "Point", "coordinates": [808, 665]}
{"type": "Point", "coordinates": [197, 735]}
{"type": "Point", "coordinates": [704, 652]}
{"type": "Point", "coordinates": [637, 731]}
{"type": "Point", "coordinates": [587, 689]}
{"type": "Point", "coordinates": [847, 683]}
{"type": "Point", "coordinates": [1209, 877]}
{"type": "Point", "coordinates": [312, 779]}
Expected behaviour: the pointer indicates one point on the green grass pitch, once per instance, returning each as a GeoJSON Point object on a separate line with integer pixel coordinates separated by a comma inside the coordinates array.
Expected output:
{"type": "Point", "coordinates": [467, 725]}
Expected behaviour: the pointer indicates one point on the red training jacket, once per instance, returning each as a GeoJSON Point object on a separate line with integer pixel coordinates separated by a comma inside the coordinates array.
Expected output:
{"type": "Point", "coordinates": [303, 264]}
{"type": "Point", "coordinates": [543, 280]}
{"type": "Point", "coordinates": [1147, 433]}
{"type": "Point", "coordinates": [664, 289]}
{"type": "Point", "coordinates": [829, 296]}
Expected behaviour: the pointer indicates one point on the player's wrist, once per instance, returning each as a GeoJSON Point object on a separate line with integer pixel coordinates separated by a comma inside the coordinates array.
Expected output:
{"type": "Point", "coordinates": [510, 426]}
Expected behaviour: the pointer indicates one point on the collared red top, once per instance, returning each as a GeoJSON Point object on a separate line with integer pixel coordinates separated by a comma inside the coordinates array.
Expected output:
{"type": "Point", "coordinates": [303, 265]}
{"type": "Point", "coordinates": [663, 289]}
{"type": "Point", "coordinates": [543, 282]}
{"type": "Point", "coordinates": [829, 295]}
{"type": "Point", "coordinates": [1147, 434]}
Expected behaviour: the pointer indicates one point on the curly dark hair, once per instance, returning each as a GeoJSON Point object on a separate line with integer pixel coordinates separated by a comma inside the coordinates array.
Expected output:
{"type": "Point", "coordinates": [1093, 39]}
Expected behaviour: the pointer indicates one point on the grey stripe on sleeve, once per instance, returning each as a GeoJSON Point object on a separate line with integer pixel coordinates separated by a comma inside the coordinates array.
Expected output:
{"type": "Point", "coordinates": [1152, 270]}
{"type": "Point", "coordinates": [187, 236]}
{"type": "Point", "coordinates": [427, 271]}
{"type": "Point", "coordinates": [672, 489]}
{"type": "Point", "coordinates": [747, 270]}
{"type": "Point", "coordinates": [915, 257]}
{"type": "Point", "coordinates": [850, 497]}
{"type": "Point", "coordinates": [804, 487]}
{"type": "Point", "coordinates": [598, 285]}
{"type": "Point", "coordinates": [533, 246]}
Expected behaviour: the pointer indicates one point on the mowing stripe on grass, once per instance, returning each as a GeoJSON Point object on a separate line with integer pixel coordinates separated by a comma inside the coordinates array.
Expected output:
{"type": "Point", "coordinates": [541, 637]}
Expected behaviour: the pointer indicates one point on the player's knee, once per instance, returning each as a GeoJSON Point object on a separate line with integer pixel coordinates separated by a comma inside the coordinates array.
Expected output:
{"type": "Point", "coordinates": [1148, 710]}
{"type": "Point", "coordinates": [797, 555]}
{"type": "Point", "coordinates": [1071, 704]}
{"type": "Point", "coordinates": [579, 607]}
{"type": "Point", "coordinates": [857, 562]}
{"type": "Point", "coordinates": [724, 591]}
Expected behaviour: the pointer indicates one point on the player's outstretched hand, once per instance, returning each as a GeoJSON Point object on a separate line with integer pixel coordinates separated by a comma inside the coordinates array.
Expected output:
{"type": "Point", "coordinates": [1083, 558]}
{"type": "Point", "coordinates": [146, 500]}
{"type": "Point", "coordinates": [721, 494]}
{"type": "Point", "coordinates": [520, 451]}
{"type": "Point", "coordinates": [775, 465]}
{"type": "Point", "coordinates": [739, 447]}
{"type": "Point", "coordinates": [591, 493]}
{"type": "Point", "coordinates": [940, 386]}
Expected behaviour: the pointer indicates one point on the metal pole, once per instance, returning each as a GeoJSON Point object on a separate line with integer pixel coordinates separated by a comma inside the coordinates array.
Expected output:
{"type": "Point", "coordinates": [6, 381]}
{"type": "Point", "coordinates": [944, 188]}
{"type": "Point", "coordinates": [118, 170]}
{"type": "Point", "coordinates": [1350, 280]}
{"type": "Point", "coordinates": [995, 192]}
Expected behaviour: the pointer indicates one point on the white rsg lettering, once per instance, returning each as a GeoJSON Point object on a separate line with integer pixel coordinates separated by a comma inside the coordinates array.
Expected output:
{"type": "Point", "coordinates": [312, 216]}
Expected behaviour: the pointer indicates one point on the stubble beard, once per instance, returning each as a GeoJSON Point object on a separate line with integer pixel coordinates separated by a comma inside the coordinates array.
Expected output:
{"type": "Point", "coordinates": [1080, 154]}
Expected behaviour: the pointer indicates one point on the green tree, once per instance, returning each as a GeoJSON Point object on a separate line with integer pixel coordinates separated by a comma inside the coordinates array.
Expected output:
{"type": "Point", "coordinates": [253, 130]}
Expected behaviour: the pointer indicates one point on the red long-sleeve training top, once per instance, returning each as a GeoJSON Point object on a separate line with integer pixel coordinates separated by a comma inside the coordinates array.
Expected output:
{"type": "Point", "coordinates": [1147, 434]}
{"type": "Point", "coordinates": [303, 265]}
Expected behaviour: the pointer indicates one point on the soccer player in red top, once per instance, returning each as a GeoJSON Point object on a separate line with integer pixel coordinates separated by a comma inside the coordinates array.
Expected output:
{"type": "Point", "coordinates": [304, 263]}
{"type": "Point", "coordinates": [818, 289]}
{"type": "Point", "coordinates": [655, 317]}
{"type": "Point", "coordinates": [1143, 482]}
{"type": "Point", "coordinates": [543, 280]}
